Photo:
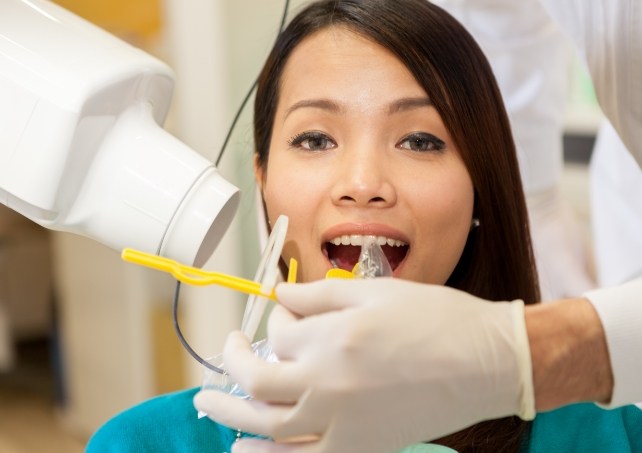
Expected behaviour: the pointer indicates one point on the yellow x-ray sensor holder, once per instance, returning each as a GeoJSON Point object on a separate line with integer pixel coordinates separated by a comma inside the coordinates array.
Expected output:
{"type": "Point", "coordinates": [192, 275]}
{"type": "Point", "coordinates": [199, 277]}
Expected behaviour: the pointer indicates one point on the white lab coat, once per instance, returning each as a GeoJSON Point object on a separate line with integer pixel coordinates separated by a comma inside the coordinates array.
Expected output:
{"type": "Point", "coordinates": [616, 210]}
{"type": "Point", "coordinates": [523, 46]}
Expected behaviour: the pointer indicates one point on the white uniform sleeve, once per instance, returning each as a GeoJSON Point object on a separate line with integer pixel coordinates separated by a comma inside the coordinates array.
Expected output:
{"type": "Point", "coordinates": [529, 55]}
{"type": "Point", "coordinates": [608, 34]}
{"type": "Point", "coordinates": [620, 309]}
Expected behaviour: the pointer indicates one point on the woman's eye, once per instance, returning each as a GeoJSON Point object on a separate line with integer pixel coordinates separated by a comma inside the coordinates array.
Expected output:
{"type": "Point", "coordinates": [312, 141]}
{"type": "Point", "coordinates": [422, 141]}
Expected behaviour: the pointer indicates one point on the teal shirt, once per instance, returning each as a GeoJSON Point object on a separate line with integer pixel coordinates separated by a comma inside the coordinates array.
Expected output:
{"type": "Point", "coordinates": [587, 428]}
{"type": "Point", "coordinates": [169, 423]}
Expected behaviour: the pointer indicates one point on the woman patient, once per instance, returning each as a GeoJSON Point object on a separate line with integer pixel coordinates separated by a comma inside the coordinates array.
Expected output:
{"type": "Point", "coordinates": [383, 118]}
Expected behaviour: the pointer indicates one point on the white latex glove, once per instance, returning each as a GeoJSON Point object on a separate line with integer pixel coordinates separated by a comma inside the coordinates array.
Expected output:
{"type": "Point", "coordinates": [561, 246]}
{"type": "Point", "coordinates": [390, 364]}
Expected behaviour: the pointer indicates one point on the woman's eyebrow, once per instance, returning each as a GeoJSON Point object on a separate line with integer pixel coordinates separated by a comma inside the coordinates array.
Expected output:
{"type": "Point", "coordinates": [323, 104]}
{"type": "Point", "coordinates": [408, 104]}
{"type": "Point", "coordinates": [331, 106]}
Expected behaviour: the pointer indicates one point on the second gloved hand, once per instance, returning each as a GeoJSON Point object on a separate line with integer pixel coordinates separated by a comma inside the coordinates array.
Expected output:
{"type": "Point", "coordinates": [375, 365]}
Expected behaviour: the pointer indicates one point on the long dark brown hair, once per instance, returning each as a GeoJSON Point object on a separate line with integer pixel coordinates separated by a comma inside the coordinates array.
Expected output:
{"type": "Point", "coordinates": [497, 262]}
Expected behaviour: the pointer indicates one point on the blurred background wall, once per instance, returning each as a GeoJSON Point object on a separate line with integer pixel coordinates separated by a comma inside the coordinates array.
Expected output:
{"type": "Point", "coordinates": [84, 335]}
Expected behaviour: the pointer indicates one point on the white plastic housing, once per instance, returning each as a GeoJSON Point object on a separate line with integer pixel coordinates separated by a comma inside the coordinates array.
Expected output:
{"type": "Point", "coordinates": [81, 146]}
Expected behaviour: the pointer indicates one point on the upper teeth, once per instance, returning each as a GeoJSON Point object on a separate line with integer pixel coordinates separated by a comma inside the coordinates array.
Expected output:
{"type": "Point", "coordinates": [357, 239]}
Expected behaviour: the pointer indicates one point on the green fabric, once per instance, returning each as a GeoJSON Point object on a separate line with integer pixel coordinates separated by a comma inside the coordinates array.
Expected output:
{"type": "Point", "coordinates": [169, 423]}
{"type": "Point", "coordinates": [587, 428]}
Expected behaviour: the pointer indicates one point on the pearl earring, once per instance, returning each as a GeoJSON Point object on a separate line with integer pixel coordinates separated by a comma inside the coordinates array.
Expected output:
{"type": "Point", "coordinates": [474, 224]}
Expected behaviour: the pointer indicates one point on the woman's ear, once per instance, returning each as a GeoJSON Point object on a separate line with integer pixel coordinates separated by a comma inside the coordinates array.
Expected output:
{"type": "Point", "coordinates": [258, 173]}
{"type": "Point", "coordinates": [263, 221]}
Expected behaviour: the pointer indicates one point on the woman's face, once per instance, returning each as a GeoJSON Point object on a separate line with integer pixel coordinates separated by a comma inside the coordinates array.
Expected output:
{"type": "Point", "coordinates": [357, 149]}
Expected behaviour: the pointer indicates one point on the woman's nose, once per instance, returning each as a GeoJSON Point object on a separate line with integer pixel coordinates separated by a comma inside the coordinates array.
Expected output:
{"type": "Point", "coordinates": [363, 180]}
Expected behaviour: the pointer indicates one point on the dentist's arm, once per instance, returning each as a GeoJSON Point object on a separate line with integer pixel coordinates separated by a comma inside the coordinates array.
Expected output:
{"type": "Point", "coordinates": [569, 355]}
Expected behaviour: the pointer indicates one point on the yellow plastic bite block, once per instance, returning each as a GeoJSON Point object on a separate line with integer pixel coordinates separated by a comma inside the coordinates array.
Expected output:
{"type": "Point", "coordinates": [342, 273]}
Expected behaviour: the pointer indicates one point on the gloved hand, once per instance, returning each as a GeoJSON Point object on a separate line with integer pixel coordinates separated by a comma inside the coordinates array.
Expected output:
{"type": "Point", "coordinates": [376, 365]}
{"type": "Point", "coordinates": [561, 247]}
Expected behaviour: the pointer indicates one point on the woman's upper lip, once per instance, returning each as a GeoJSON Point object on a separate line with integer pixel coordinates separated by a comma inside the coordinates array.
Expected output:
{"type": "Point", "coordinates": [363, 229]}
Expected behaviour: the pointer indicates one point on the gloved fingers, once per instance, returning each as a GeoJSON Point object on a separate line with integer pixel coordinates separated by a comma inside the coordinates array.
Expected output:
{"type": "Point", "coordinates": [321, 296]}
{"type": "Point", "coordinates": [280, 319]}
{"type": "Point", "coordinates": [306, 341]}
{"type": "Point", "coordinates": [280, 382]}
{"type": "Point", "coordinates": [278, 421]}
{"type": "Point", "coordinates": [247, 415]}
{"type": "Point", "coordinates": [289, 335]}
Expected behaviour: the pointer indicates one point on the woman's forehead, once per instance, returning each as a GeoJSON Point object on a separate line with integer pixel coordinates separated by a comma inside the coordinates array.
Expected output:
{"type": "Point", "coordinates": [338, 64]}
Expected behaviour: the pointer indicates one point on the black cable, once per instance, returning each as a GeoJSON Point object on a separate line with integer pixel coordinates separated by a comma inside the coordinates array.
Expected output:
{"type": "Point", "coordinates": [184, 342]}
{"type": "Point", "coordinates": [234, 121]}
{"type": "Point", "coordinates": [177, 328]}
{"type": "Point", "coordinates": [286, 6]}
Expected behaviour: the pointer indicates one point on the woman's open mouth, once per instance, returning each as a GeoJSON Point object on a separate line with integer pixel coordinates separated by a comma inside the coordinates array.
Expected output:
{"type": "Point", "coordinates": [344, 251]}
